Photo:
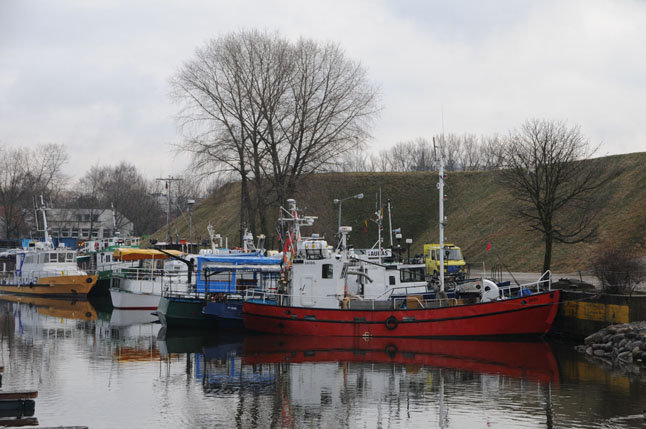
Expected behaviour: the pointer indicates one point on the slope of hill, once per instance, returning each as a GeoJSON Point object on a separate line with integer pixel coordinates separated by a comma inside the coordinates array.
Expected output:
{"type": "Point", "coordinates": [478, 208]}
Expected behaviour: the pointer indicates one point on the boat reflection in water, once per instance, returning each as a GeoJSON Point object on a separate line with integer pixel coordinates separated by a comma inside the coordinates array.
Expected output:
{"type": "Point", "coordinates": [55, 307]}
{"type": "Point", "coordinates": [528, 360]}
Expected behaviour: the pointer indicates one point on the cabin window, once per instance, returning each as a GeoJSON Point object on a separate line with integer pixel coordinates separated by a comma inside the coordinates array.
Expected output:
{"type": "Point", "coordinates": [61, 257]}
{"type": "Point", "coordinates": [107, 258]}
{"type": "Point", "coordinates": [392, 280]}
{"type": "Point", "coordinates": [70, 256]}
{"type": "Point", "coordinates": [53, 257]}
{"type": "Point", "coordinates": [30, 259]}
{"type": "Point", "coordinates": [314, 253]}
{"type": "Point", "coordinates": [328, 271]}
{"type": "Point", "coordinates": [433, 255]}
{"type": "Point", "coordinates": [412, 275]}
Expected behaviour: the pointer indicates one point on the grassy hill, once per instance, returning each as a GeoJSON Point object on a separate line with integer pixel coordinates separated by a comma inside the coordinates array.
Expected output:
{"type": "Point", "coordinates": [478, 208]}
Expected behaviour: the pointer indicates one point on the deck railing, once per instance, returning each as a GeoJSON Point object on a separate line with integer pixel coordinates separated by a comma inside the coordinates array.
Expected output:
{"type": "Point", "coordinates": [544, 283]}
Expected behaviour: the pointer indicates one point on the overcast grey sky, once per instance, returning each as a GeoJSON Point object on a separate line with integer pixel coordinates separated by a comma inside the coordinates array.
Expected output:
{"type": "Point", "coordinates": [93, 74]}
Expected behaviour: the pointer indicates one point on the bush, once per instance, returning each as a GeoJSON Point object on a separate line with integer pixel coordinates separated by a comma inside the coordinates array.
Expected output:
{"type": "Point", "coordinates": [618, 270]}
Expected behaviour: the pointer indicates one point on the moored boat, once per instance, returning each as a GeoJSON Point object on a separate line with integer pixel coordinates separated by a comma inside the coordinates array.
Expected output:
{"type": "Point", "coordinates": [314, 298]}
{"type": "Point", "coordinates": [44, 270]}
{"type": "Point", "coordinates": [139, 286]}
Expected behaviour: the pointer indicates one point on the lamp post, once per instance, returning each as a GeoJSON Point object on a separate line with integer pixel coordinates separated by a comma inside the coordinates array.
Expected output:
{"type": "Point", "coordinates": [190, 204]}
{"type": "Point", "coordinates": [340, 202]}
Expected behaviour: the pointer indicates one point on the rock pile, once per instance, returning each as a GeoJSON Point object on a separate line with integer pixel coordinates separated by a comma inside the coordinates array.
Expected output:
{"type": "Point", "coordinates": [617, 344]}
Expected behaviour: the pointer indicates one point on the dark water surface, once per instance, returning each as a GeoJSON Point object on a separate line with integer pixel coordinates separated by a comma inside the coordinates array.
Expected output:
{"type": "Point", "coordinates": [116, 369]}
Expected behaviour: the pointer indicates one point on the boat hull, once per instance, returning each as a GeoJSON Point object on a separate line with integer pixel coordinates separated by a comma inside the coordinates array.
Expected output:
{"type": "Point", "coordinates": [227, 313]}
{"type": "Point", "coordinates": [530, 315]}
{"type": "Point", "coordinates": [61, 286]}
{"type": "Point", "coordinates": [134, 301]}
{"type": "Point", "coordinates": [184, 312]}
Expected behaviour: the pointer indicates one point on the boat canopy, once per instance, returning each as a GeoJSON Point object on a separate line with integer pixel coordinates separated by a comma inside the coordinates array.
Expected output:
{"type": "Point", "coordinates": [133, 254]}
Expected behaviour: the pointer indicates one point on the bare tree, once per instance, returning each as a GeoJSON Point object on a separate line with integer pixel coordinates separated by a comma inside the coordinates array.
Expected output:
{"type": "Point", "coordinates": [270, 111]}
{"type": "Point", "coordinates": [554, 190]}
{"type": "Point", "coordinates": [24, 173]}
{"type": "Point", "coordinates": [133, 198]}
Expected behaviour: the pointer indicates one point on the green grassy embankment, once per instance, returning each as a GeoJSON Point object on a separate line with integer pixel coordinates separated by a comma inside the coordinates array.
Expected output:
{"type": "Point", "coordinates": [478, 207]}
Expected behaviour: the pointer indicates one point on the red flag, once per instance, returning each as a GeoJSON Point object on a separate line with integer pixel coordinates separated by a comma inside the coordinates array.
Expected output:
{"type": "Point", "coordinates": [488, 247]}
{"type": "Point", "coordinates": [365, 226]}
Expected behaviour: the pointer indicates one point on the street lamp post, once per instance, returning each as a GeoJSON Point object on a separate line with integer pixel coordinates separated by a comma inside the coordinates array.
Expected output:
{"type": "Point", "coordinates": [190, 204]}
{"type": "Point", "coordinates": [340, 202]}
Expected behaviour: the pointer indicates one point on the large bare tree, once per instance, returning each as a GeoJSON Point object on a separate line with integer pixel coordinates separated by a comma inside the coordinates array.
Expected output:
{"type": "Point", "coordinates": [554, 189]}
{"type": "Point", "coordinates": [268, 111]}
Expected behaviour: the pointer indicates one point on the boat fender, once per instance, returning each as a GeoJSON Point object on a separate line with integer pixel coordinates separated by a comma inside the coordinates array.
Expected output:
{"type": "Point", "coordinates": [391, 322]}
{"type": "Point", "coordinates": [88, 280]}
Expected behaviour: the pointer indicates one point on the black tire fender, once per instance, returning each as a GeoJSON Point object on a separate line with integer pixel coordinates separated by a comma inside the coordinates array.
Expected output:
{"type": "Point", "coordinates": [391, 322]}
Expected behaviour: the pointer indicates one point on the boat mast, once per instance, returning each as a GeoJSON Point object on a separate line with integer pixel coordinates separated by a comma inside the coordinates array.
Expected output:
{"type": "Point", "coordinates": [390, 224]}
{"type": "Point", "coordinates": [114, 221]}
{"type": "Point", "coordinates": [42, 209]}
{"type": "Point", "coordinates": [440, 187]}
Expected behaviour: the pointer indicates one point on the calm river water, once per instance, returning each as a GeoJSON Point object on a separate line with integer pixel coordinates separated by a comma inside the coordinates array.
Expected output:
{"type": "Point", "coordinates": [116, 369]}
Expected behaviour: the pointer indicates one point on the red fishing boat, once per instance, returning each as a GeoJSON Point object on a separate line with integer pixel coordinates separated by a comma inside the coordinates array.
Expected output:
{"type": "Point", "coordinates": [333, 292]}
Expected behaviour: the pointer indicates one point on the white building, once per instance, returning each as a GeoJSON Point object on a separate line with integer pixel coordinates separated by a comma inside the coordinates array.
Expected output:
{"type": "Point", "coordinates": [86, 223]}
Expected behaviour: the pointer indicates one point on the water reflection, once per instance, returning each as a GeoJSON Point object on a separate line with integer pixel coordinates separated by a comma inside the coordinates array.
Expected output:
{"type": "Point", "coordinates": [128, 371]}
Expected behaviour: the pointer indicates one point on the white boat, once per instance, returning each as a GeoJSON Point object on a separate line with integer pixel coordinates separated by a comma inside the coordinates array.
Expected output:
{"type": "Point", "coordinates": [139, 285]}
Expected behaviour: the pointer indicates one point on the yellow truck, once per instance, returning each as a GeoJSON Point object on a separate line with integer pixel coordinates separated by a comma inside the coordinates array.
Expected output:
{"type": "Point", "coordinates": [454, 265]}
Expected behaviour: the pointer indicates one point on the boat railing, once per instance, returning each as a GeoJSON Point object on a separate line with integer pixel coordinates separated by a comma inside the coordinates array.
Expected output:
{"type": "Point", "coordinates": [357, 303]}
{"type": "Point", "coordinates": [147, 274]}
{"type": "Point", "coordinates": [544, 283]}
{"type": "Point", "coordinates": [32, 277]}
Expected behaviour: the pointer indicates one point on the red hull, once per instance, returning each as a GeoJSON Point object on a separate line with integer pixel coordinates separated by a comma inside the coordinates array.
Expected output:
{"type": "Point", "coordinates": [528, 360]}
{"type": "Point", "coordinates": [531, 315]}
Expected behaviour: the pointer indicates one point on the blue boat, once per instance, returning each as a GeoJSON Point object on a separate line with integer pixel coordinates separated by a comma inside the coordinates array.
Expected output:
{"type": "Point", "coordinates": [226, 279]}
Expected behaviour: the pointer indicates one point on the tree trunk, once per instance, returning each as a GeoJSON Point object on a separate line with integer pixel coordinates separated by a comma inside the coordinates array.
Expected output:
{"type": "Point", "coordinates": [547, 261]}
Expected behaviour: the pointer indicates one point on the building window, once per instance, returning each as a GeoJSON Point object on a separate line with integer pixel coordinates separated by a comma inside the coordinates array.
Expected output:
{"type": "Point", "coordinates": [95, 233]}
{"type": "Point", "coordinates": [75, 232]}
{"type": "Point", "coordinates": [328, 271]}
{"type": "Point", "coordinates": [85, 232]}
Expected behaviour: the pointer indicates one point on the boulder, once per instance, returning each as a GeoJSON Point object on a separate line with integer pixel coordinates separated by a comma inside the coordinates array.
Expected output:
{"type": "Point", "coordinates": [617, 338]}
{"type": "Point", "coordinates": [599, 352]}
{"type": "Point", "coordinates": [594, 338]}
{"type": "Point", "coordinates": [625, 357]}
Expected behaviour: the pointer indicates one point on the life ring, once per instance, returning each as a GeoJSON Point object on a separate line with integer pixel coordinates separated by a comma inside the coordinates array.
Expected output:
{"type": "Point", "coordinates": [391, 322]}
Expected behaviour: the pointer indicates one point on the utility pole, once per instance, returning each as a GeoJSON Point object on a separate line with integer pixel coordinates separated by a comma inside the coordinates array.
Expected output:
{"type": "Point", "coordinates": [169, 180]}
